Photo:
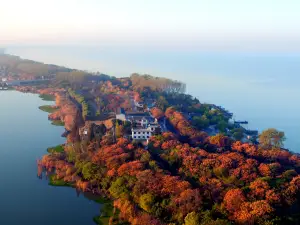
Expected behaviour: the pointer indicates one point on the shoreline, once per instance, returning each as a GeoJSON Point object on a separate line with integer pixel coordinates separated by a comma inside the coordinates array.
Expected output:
{"type": "Point", "coordinates": [53, 181]}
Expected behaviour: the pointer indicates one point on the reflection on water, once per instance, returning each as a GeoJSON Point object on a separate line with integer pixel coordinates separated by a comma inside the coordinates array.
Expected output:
{"type": "Point", "coordinates": [25, 135]}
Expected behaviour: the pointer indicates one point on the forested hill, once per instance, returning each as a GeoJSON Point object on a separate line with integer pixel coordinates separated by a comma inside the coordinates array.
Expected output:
{"type": "Point", "coordinates": [17, 67]}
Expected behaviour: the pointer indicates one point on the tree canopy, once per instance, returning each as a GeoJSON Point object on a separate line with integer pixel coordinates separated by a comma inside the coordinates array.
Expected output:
{"type": "Point", "coordinates": [271, 138]}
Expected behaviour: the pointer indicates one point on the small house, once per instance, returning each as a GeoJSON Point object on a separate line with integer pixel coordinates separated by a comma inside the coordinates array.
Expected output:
{"type": "Point", "coordinates": [121, 115]}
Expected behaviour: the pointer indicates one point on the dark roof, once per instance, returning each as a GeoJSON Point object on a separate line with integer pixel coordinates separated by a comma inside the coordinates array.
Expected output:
{"type": "Point", "coordinates": [140, 114]}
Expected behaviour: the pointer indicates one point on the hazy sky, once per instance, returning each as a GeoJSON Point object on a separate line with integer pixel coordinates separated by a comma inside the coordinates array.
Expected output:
{"type": "Point", "coordinates": [206, 24]}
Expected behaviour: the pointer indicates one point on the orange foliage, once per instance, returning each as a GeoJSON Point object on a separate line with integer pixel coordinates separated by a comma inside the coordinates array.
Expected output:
{"type": "Point", "coordinates": [183, 126]}
{"type": "Point", "coordinates": [188, 201]}
{"type": "Point", "coordinates": [259, 188]}
{"type": "Point", "coordinates": [250, 212]}
{"type": "Point", "coordinates": [157, 113]}
{"type": "Point", "coordinates": [272, 197]}
{"type": "Point", "coordinates": [144, 218]}
{"type": "Point", "coordinates": [220, 140]}
{"type": "Point", "coordinates": [264, 170]}
{"type": "Point", "coordinates": [233, 200]}
{"type": "Point", "coordinates": [130, 168]}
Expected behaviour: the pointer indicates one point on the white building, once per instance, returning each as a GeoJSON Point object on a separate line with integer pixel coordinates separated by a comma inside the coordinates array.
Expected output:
{"type": "Point", "coordinates": [141, 133]}
{"type": "Point", "coordinates": [144, 133]}
{"type": "Point", "coordinates": [121, 116]}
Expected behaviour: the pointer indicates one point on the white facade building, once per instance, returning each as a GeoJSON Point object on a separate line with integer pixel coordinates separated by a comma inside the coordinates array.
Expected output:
{"type": "Point", "coordinates": [121, 116]}
{"type": "Point", "coordinates": [144, 133]}
{"type": "Point", "coordinates": [141, 133]}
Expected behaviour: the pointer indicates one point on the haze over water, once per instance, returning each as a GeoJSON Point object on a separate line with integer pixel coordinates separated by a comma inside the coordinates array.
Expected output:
{"type": "Point", "coordinates": [259, 87]}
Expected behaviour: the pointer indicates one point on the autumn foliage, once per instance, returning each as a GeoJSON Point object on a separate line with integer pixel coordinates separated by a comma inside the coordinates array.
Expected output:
{"type": "Point", "coordinates": [157, 113]}
{"type": "Point", "coordinates": [183, 177]}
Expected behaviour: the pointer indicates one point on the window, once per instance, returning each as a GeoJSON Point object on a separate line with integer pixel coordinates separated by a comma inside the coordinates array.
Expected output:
{"type": "Point", "coordinates": [143, 132]}
{"type": "Point", "coordinates": [148, 132]}
{"type": "Point", "coordinates": [134, 132]}
{"type": "Point", "coordinates": [139, 132]}
{"type": "Point", "coordinates": [143, 137]}
{"type": "Point", "coordinates": [147, 136]}
{"type": "Point", "coordinates": [138, 136]}
{"type": "Point", "coordinates": [134, 137]}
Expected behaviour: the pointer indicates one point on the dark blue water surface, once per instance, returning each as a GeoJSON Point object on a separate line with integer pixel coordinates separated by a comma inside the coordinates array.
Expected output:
{"type": "Point", "coordinates": [25, 134]}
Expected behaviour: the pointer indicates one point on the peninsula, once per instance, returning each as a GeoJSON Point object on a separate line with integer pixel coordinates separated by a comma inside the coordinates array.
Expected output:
{"type": "Point", "coordinates": [156, 155]}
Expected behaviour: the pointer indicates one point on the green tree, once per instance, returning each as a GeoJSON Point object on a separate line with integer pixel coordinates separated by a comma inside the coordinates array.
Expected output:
{"type": "Point", "coordinates": [200, 122]}
{"type": "Point", "coordinates": [192, 219]}
{"type": "Point", "coordinates": [100, 104]}
{"type": "Point", "coordinates": [238, 134]}
{"type": "Point", "coordinates": [162, 103]}
{"type": "Point", "coordinates": [271, 138]}
{"type": "Point", "coordinates": [118, 187]}
{"type": "Point", "coordinates": [118, 130]}
{"type": "Point", "coordinates": [88, 170]}
{"type": "Point", "coordinates": [222, 125]}
{"type": "Point", "coordinates": [147, 202]}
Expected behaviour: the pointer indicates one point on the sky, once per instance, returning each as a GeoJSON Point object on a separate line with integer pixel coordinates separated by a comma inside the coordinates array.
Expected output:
{"type": "Point", "coordinates": [269, 25]}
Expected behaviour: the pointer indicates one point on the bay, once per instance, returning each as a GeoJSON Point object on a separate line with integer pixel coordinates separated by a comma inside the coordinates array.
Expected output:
{"type": "Point", "coordinates": [25, 134]}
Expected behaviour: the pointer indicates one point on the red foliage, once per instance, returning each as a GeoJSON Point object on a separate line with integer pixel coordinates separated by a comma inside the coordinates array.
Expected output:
{"type": "Point", "coordinates": [233, 200]}
{"type": "Point", "coordinates": [122, 142]}
{"type": "Point", "coordinates": [184, 127]}
{"type": "Point", "coordinates": [127, 210]}
{"type": "Point", "coordinates": [188, 201]}
{"type": "Point", "coordinates": [144, 218]}
{"type": "Point", "coordinates": [212, 188]}
{"type": "Point", "coordinates": [130, 168]}
{"type": "Point", "coordinates": [111, 172]}
{"type": "Point", "coordinates": [272, 197]}
{"type": "Point", "coordinates": [157, 113]}
{"type": "Point", "coordinates": [259, 188]}
{"type": "Point", "coordinates": [264, 170]}
{"type": "Point", "coordinates": [250, 212]}
{"type": "Point", "coordinates": [296, 182]}
{"type": "Point", "coordinates": [170, 144]}
{"type": "Point", "coordinates": [173, 185]}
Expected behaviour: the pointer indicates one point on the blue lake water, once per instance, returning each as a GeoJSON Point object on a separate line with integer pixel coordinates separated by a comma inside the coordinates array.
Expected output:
{"type": "Point", "coordinates": [25, 134]}
{"type": "Point", "coordinates": [262, 88]}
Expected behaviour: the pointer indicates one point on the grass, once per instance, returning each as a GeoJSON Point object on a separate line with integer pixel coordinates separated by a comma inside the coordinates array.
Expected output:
{"type": "Point", "coordinates": [107, 212]}
{"type": "Point", "coordinates": [57, 123]}
{"type": "Point", "coordinates": [58, 182]}
{"type": "Point", "coordinates": [99, 220]}
{"type": "Point", "coordinates": [48, 108]}
{"type": "Point", "coordinates": [56, 149]}
{"type": "Point", "coordinates": [46, 97]}
{"type": "Point", "coordinates": [101, 200]}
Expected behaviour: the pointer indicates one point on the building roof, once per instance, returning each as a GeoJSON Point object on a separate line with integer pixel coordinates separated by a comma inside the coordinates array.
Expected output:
{"type": "Point", "coordinates": [141, 129]}
{"type": "Point", "coordinates": [145, 114]}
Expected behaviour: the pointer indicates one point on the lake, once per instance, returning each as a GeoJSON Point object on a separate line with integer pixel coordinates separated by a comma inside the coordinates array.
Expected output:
{"type": "Point", "coordinates": [25, 199]}
{"type": "Point", "coordinates": [262, 88]}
